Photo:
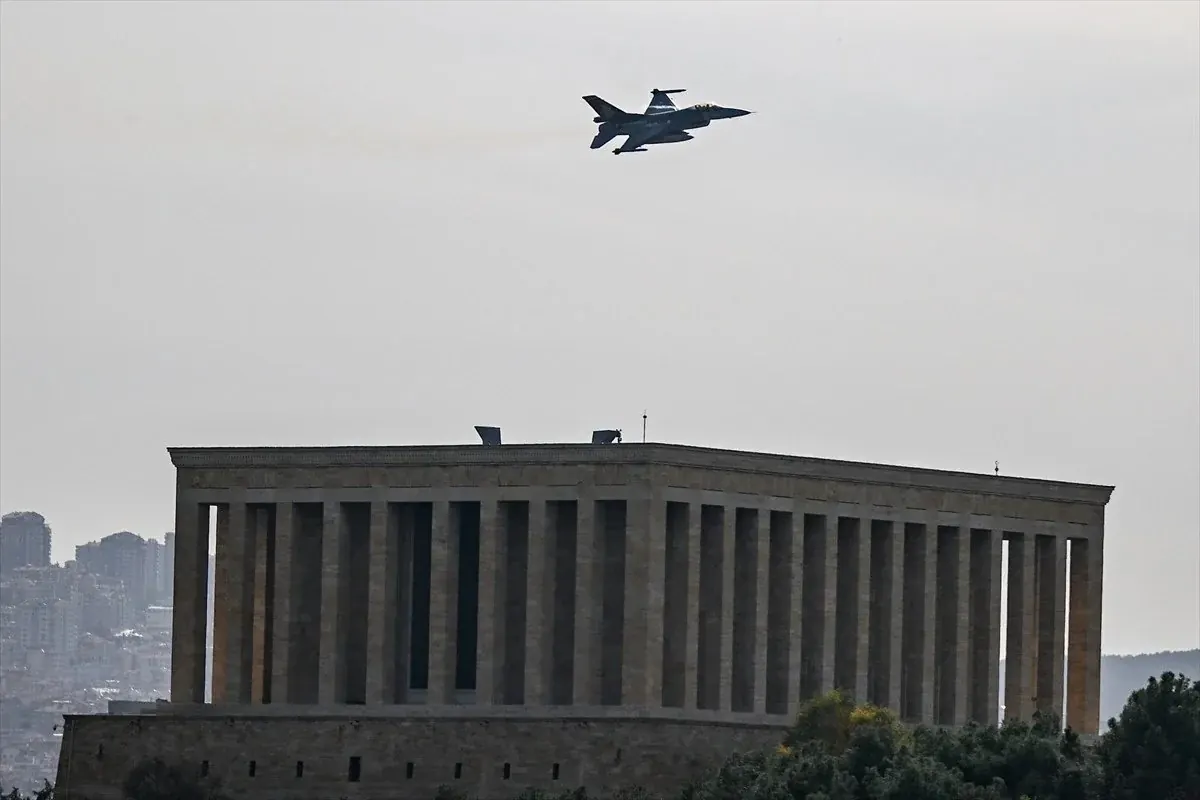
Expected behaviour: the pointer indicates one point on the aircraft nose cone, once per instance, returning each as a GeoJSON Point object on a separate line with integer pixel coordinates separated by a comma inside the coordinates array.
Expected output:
{"type": "Point", "coordinates": [738, 112]}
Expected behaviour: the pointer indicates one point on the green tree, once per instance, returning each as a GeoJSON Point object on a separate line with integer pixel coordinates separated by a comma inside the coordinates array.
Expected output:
{"type": "Point", "coordinates": [45, 793]}
{"type": "Point", "coordinates": [1152, 750]}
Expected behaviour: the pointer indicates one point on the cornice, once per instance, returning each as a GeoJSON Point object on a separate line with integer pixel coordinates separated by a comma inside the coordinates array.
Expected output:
{"type": "Point", "coordinates": [647, 454]}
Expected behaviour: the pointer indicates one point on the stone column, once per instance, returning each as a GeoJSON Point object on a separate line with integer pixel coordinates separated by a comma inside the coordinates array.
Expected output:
{"type": "Point", "coordinates": [1021, 646]}
{"type": "Point", "coordinates": [762, 602]}
{"type": "Point", "coordinates": [233, 607]}
{"type": "Point", "coordinates": [987, 558]}
{"type": "Point", "coordinates": [406, 534]}
{"type": "Point", "coordinates": [281, 624]}
{"type": "Point", "coordinates": [862, 646]}
{"type": "Point", "coordinates": [222, 563]}
{"type": "Point", "coordinates": [264, 572]}
{"type": "Point", "coordinates": [893, 565]}
{"type": "Point", "coordinates": [539, 605]}
{"type": "Point", "coordinates": [692, 635]}
{"type": "Point", "coordinates": [996, 611]}
{"type": "Point", "coordinates": [189, 615]}
{"type": "Point", "coordinates": [443, 595]}
{"type": "Point", "coordinates": [795, 601]}
{"type": "Point", "coordinates": [929, 614]}
{"type": "Point", "coordinates": [334, 563]}
{"type": "Point", "coordinates": [587, 605]}
{"type": "Point", "coordinates": [1051, 624]}
{"type": "Point", "coordinates": [490, 649]}
{"type": "Point", "coordinates": [645, 569]}
{"type": "Point", "coordinates": [962, 622]}
{"type": "Point", "coordinates": [829, 637]}
{"type": "Point", "coordinates": [983, 640]}
{"type": "Point", "coordinates": [728, 564]}
{"type": "Point", "coordinates": [382, 573]}
{"type": "Point", "coordinates": [1083, 659]}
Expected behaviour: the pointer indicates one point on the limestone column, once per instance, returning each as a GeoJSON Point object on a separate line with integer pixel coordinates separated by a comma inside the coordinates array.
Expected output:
{"type": "Point", "coordinates": [984, 633]}
{"type": "Point", "coordinates": [894, 633]}
{"type": "Point", "coordinates": [232, 608]}
{"type": "Point", "coordinates": [962, 621]}
{"type": "Point", "coordinates": [405, 515]}
{"type": "Point", "coordinates": [443, 595]}
{"type": "Point", "coordinates": [587, 605]}
{"type": "Point", "coordinates": [382, 574]}
{"type": "Point", "coordinates": [692, 635]}
{"type": "Point", "coordinates": [728, 563]}
{"type": "Point", "coordinates": [645, 570]}
{"type": "Point", "coordinates": [795, 601]}
{"type": "Point", "coordinates": [260, 682]}
{"type": "Point", "coordinates": [1083, 659]}
{"type": "Point", "coordinates": [539, 605]}
{"type": "Point", "coordinates": [1051, 624]}
{"type": "Point", "coordinates": [281, 624]}
{"type": "Point", "coordinates": [995, 609]}
{"type": "Point", "coordinates": [829, 637]}
{"type": "Point", "coordinates": [222, 563]}
{"type": "Point", "coordinates": [334, 563]}
{"type": "Point", "coordinates": [862, 643]}
{"type": "Point", "coordinates": [929, 614]}
{"type": "Point", "coordinates": [1021, 645]}
{"type": "Point", "coordinates": [490, 651]}
{"type": "Point", "coordinates": [189, 614]}
{"type": "Point", "coordinates": [762, 602]}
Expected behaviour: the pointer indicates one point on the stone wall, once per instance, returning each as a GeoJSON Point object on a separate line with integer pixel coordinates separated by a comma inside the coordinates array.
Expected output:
{"type": "Point", "coordinates": [309, 757]}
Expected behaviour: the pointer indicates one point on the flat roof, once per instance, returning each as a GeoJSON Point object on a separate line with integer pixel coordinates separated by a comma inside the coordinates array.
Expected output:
{"type": "Point", "coordinates": [637, 453]}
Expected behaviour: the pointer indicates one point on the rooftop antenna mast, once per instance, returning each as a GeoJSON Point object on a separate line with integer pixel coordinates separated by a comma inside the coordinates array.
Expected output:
{"type": "Point", "coordinates": [643, 427]}
{"type": "Point", "coordinates": [997, 467]}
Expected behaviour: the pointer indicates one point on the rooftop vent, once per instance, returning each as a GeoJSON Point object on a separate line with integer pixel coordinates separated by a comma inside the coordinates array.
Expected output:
{"type": "Point", "coordinates": [489, 436]}
{"type": "Point", "coordinates": [606, 437]}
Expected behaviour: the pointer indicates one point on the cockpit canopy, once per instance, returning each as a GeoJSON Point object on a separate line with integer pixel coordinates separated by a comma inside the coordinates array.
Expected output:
{"type": "Point", "coordinates": [704, 106]}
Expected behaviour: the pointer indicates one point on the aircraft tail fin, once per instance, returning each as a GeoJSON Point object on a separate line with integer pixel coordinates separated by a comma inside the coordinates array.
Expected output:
{"type": "Point", "coordinates": [605, 111]}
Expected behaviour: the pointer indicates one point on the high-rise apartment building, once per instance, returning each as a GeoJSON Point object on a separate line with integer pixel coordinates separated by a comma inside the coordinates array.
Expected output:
{"type": "Point", "coordinates": [122, 556]}
{"type": "Point", "coordinates": [24, 541]}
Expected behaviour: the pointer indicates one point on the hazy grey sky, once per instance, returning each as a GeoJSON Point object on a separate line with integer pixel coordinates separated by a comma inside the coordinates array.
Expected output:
{"type": "Point", "coordinates": [953, 233]}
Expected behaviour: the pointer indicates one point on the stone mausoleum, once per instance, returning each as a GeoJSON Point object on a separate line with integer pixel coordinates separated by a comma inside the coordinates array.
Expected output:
{"type": "Point", "coordinates": [391, 619]}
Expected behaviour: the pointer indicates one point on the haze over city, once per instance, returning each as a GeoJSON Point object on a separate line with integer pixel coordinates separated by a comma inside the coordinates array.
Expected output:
{"type": "Point", "coordinates": [952, 234]}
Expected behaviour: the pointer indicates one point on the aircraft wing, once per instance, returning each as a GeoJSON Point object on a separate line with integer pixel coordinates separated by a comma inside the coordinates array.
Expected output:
{"type": "Point", "coordinates": [643, 135]}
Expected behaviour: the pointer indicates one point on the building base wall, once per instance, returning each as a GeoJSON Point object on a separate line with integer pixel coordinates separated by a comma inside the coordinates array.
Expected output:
{"type": "Point", "coordinates": [309, 756]}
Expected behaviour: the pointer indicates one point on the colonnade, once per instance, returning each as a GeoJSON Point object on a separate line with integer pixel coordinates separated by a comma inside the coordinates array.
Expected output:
{"type": "Point", "coordinates": [697, 601]}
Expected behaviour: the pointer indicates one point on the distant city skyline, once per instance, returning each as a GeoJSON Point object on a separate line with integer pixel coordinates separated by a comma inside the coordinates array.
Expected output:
{"type": "Point", "coordinates": [951, 234]}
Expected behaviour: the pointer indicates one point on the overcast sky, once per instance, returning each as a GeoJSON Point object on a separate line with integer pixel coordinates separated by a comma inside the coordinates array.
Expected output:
{"type": "Point", "coordinates": [952, 234]}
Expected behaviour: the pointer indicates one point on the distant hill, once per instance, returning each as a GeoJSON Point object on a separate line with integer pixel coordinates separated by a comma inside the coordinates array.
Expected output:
{"type": "Point", "coordinates": [1120, 676]}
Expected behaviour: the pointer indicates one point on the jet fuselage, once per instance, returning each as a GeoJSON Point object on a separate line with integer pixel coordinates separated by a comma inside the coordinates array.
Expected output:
{"type": "Point", "coordinates": [662, 123]}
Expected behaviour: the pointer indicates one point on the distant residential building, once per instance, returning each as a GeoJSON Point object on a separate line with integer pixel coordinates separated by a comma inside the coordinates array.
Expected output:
{"type": "Point", "coordinates": [49, 625]}
{"type": "Point", "coordinates": [122, 556]}
{"type": "Point", "coordinates": [156, 572]}
{"type": "Point", "coordinates": [158, 621]}
{"type": "Point", "coordinates": [169, 545]}
{"type": "Point", "coordinates": [24, 541]}
{"type": "Point", "coordinates": [106, 609]}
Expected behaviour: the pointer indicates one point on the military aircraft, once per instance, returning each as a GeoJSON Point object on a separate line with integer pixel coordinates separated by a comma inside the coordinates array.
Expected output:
{"type": "Point", "coordinates": [662, 122]}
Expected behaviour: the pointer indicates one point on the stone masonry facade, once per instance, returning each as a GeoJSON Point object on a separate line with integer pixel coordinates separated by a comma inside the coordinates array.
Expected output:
{"type": "Point", "coordinates": [678, 586]}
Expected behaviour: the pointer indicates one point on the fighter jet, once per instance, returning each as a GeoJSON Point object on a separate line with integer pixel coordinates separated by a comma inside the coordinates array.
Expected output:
{"type": "Point", "coordinates": [662, 122]}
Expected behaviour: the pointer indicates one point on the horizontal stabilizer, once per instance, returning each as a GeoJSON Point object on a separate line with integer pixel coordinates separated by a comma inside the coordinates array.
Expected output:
{"type": "Point", "coordinates": [604, 137]}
